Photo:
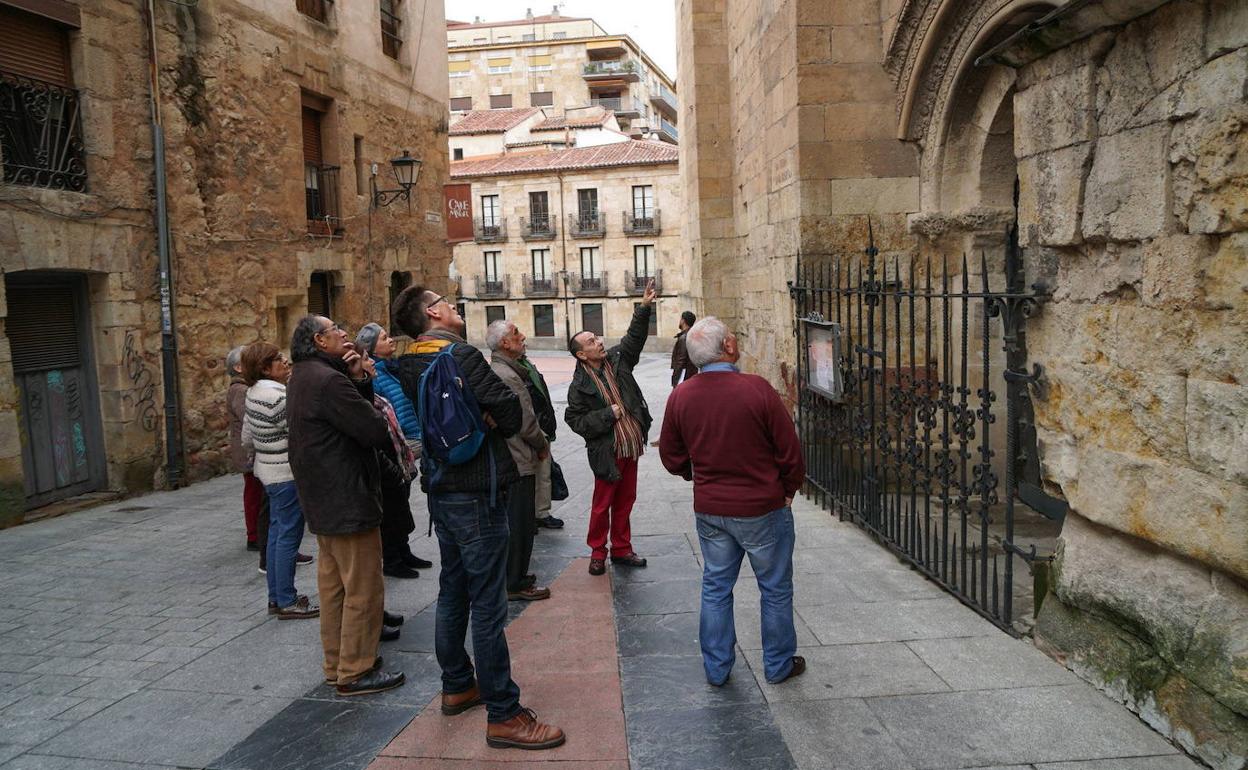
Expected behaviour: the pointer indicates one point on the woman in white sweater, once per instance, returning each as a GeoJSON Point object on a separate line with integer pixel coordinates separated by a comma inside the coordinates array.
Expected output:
{"type": "Point", "coordinates": [266, 370]}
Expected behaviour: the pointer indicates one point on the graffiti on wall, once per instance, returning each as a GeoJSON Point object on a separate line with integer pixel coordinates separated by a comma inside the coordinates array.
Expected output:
{"type": "Point", "coordinates": [143, 384]}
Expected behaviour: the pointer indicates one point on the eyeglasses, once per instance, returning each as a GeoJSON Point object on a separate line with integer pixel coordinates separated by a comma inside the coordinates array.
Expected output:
{"type": "Point", "coordinates": [442, 298]}
{"type": "Point", "coordinates": [331, 328]}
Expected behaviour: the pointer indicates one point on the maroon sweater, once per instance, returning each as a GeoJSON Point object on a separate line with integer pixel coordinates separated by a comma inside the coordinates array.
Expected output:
{"type": "Point", "coordinates": [731, 435]}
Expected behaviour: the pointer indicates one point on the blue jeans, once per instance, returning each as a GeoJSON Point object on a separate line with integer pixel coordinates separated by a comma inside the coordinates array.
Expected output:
{"type": "Point", "coordinates": [768, 540]}
{"type": "Point", "coordinates": [285, 535]}
{"type": "Point", "coordinates": [472, 538]}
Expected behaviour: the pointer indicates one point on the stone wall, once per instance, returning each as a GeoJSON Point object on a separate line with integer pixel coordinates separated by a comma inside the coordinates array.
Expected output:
{"type": "Point", "coordinates": [1131, 148]}
{"type": "Point", "coordinates": [232, 75]}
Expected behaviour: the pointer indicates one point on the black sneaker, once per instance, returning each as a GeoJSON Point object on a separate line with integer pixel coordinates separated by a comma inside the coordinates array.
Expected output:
{"type": "Point", "coordinates": [391, 619]}
{"type": "Point", "coordinates": [389, 634]}
{"type": "Point", "coordinates": [399, 570]}
{"type": "Point", "coordinates": [415, 562]}
{"type": "Point", "coordinates": [252, 545]}
{"type": "Point", "coordinates": [550, 522]}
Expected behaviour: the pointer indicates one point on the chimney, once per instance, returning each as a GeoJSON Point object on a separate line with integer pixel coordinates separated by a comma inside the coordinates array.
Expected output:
{"type": "Point", "coordinates": [555, 11]}
{"type": "Point", "coordinates": [528, 13]}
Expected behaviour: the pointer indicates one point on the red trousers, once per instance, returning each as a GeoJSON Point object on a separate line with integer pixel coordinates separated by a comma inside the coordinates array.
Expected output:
{"type": "Point", "coordinates": [613, 502]}
{"type": "Point", "coordinates": [253, 498]}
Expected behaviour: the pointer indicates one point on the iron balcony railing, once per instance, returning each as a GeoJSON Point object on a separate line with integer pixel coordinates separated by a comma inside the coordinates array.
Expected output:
{"type": "Point", "coordinates": [40, 135]}
{"type": "Point", "coordinates": [489, 231]}
{"type": "Point", "coordinates": [664, 99]}
{"type": "Point", "coordinates": [315, 9]}
{"type": "Point", "coordinates": [587, 224]}
{"type": "Point", "coordinates": [611, 68]}
{"type": "Point", "coordinates": [537, 228]}
{"type": "Point", "coordinates": [642, 222]}
{"type": "Point", "coordinates": [493, 288]}
{"type": "Point", "coordinates": [544, 286]}
{"type": "Point", "coordinates": [622, 106]}
{"type": "Point", "coordinates": [589, 285]}
{"type": "Point", "coordinates": [635, 283]}
{"type": "Point", "coordinates": [320, 193]}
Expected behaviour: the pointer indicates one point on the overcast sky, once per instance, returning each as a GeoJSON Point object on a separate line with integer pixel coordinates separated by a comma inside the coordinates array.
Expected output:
{"type": "Point", "coordinates": [652, 23]}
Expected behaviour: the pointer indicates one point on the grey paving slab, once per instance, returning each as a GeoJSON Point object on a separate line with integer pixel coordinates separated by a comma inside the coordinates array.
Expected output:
{"type": "Point", "coordinates": [678, 681]}
{"type": "Point", "coordinates": [178, 728]}
{"type": "Point", "coordinates": [990, 662]}
{"type": "Point", "coordinates": [34, 761]}
{"type": "Point", "coordinates": [738, 737]}
{"type": "Point", "coordinates": [63, 666]}
{"type": "Point", "coordinates": [25, 731]}
{"type": "Point", "coordinates": [117, 669]}
{"type": "Point", "coordinates": [8, 751]}
{"type": "Point", "coordinates": [852, 671]}
{"type": "Point", "coordinates": [1165, 762]}
{"type": "Point", "coordinates": [39, 706]}
{"type": "Point", "coordinates": [1024, 725]}
{"type": "Point", "coordinates": [51, 684]}
{"type": "Point", "coordinates": [842, 734]}
{"type": "Point", "coordinates": [861, 622]}
{"type": "Point", "coordinates": [114, 689]}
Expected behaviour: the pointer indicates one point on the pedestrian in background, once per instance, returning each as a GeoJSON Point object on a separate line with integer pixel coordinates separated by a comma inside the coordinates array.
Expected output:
{"type": "Point", "coordinates": [528, 448]}
{"type": "Point", "coordinates": [255, 504]}
{"type": "Point", "coordinates": [682, 367]}
{"type": "Point", "coordinates": [606, 408]}
{"type": "Point", "coordinates": [396, 521]}
{"type": "Point", "coordinates": [731, 435]}
{"type": "Point", "coordinates": [265, 431]}
{"type": "Point", "coordinates": [335, 435]}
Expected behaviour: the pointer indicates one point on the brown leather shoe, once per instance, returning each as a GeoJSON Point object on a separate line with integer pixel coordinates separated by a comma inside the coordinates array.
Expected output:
{"type": "Point", "coordinates": [529, 594]}
{"type": "Point", "coordinates": [632, 560]}
{"type": "Point", "coordinates": [523, 731]}
{"type": "Point", "coordinates": [273, 605]}
{"type": "Point", "coordinates": [458, 702]}
{"type": "Point", "coordinates": [300, 610]}
{"type": "Point", "coordinates": [799, 668]}
{"type": "Point", "coordinates": [597, 566]}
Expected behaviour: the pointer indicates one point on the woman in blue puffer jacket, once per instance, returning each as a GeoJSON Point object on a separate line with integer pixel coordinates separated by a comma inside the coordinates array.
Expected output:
{"type": "Point", "coordinates": [397, 557]}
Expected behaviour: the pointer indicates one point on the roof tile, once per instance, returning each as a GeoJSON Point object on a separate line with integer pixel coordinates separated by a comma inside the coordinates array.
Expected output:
{"type": "Point", "coordinates": [491, 121]}
{"type": "Point", "coordinates": [630, 153]}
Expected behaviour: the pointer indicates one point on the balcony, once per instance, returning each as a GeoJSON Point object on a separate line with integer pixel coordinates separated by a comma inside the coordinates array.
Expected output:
{"type": "Point", "coordinates": [605, 49]}
{"type": "Point", "coordinates": [493, 288]}
{"type": "Point", "coordinates": [665, 100]}
{"type": "Point", "coordinates": [538, 228]}
{"type": "Point", "coordinates": [642, 223]}
{"type": "Point", "coordinates": [320, 197]}
{"type": "Point", "coordinates": [491, 231]}
{"type": "Point", "coordinates": [624, 107]}
{"type": "Point", "coordinates": [635, 284]}
{"type": "Point", "coordinates": [616, 69]}
{"type": "Point", "coordinates": [40, 135]}
{"type": "Point", "coordinates": [589, 285]}
{"type": "Point", "coordinates": [667, 131]}
{"type": "Point", "coordinates": [587, 224]}
{"type": "Point", "coordinates": [540, 287]}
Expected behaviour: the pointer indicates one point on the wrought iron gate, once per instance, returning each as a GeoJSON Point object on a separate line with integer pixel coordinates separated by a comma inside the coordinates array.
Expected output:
{"type": "Point", "coordinates": [898, 412]}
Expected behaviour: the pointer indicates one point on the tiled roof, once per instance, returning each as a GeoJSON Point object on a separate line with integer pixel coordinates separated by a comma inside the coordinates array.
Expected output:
{"type": "Point", "coordinates": [630, 153]}
{"type": "Point", "coordinates": [491, 121]}
{"type": "Point", "coordinates": [547, 19]}
{"type": "Point", "coordinates": [560, 122]}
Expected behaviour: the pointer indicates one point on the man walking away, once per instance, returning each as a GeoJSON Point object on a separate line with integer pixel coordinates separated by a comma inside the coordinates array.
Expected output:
{"type": "Point", "coordinates": [730, 433]}
{"type": "Point", "coordinates": [468, 503]}
{"type": "Point", "coordinates": [539, 393]}
{"type": "Point", "coordinates": [607, 409]}
{"type": "Point", "coordinates": [335, 434]}
{"type": "Point", "coordinates": [527, 447]}
{"type": "Point", "coordinates": [682, 368]}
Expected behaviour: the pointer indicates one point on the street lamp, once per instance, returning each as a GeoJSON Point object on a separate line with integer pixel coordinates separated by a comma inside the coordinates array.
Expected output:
{"type": "Point", "coordinates": [406, 169]}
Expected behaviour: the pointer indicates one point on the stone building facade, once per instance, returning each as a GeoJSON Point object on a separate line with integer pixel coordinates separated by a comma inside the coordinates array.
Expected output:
{"type": "Point", "coordinates": [274, 114]}
{"type": "Point", "coordinates": [559, 63]}
{"type": "Point", "coordinates": [571, 218]}
{"type": "Point", "coordinates": [1125, 127]}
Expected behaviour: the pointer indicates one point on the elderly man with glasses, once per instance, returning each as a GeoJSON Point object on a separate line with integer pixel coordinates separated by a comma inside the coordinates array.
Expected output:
{"type": "Point", "coordinates": [335, 433]}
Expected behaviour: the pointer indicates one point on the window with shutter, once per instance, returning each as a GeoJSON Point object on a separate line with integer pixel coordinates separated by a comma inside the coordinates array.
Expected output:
{"type": "Point", "coordinates": [42, 328]}
{"type": "Point", "coordinates": [500, 101]}
{"type": "Point", "coordinates": [34, 47]}
{"type": "Point", "coordinates": [319, 299]}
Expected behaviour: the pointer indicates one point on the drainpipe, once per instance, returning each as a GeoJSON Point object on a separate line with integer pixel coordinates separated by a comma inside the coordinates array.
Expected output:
{"type": "Point", "coordinates": [168, 336]}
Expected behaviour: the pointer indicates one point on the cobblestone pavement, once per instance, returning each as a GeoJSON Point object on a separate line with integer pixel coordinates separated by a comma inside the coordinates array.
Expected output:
{"type": "Point", "coordinates": [135, 635]}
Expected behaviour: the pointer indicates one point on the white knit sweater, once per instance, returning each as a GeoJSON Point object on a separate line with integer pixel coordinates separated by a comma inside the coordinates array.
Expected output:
{"type": "Point", "coordinates": [265, 431]}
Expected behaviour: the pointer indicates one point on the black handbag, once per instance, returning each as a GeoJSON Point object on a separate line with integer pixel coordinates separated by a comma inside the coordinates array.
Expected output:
{"type": "Point", "coordinates": [558, 486]}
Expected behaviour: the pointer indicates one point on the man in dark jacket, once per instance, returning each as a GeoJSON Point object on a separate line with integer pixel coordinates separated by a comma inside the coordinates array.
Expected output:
{"type": "Point", "coordinates": [335, 433]}
{"type": "Point", "coordinates": [607, 409]}
{"type": "Point", "coordinates": [468, 504]}
{"type": "Point", "coordinates": [682, 368]}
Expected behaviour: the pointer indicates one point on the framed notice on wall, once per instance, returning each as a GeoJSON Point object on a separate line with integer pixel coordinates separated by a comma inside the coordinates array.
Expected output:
{"type": "Point", "coordinates": [823, 359]}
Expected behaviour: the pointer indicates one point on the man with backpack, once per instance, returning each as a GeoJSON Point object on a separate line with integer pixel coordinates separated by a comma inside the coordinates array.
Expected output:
{"type": "Point", "coordinates": [466, 414]}
{"type": "Point", "coordinates": [606, 408]}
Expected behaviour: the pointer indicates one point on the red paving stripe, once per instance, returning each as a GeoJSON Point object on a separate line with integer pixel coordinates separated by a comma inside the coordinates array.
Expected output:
{"type": "Point", "coordinates": [563, 656]}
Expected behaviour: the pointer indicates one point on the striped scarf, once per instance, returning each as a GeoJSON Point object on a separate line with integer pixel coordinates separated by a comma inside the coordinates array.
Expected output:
{"type": "Point", "coordinates": [407, 458]}
{"type": "Point", "coordinates": [628, 439]}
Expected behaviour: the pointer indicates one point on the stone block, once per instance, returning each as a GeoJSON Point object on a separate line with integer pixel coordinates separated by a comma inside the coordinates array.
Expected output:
{"type": "Point", "coordinates": [1055, 113]}
{"type": "Point", "coordinates": [855, 44]}
{"type": "Point", "coordinates": [814, 44]}
{"type": "Point", "coordinates": [1126, 188]}
{"type": "Point", "coordinates": [835, 83]}
{"type": "Point", "coordinates": [1226, 277]}
{"type": "Point", "coordinates": [865, 196]}
{"type": "Point", "coordinates": [1210, 180]}
{"type": "Point", "coordinates": [1216, 419]}
{"type": "Point", "coordinates": [859, 121]}
{"type": "Point", "coordinates": [858, 160]}
{"type": "Point", "coordinates": [1227, 28]}
{"type": "Point", "coordinates": [1174, 270]}
{"type": "Point", "coordinates": [1051, 188]}
{"type": "Point", "coordinates": [1219, 83]}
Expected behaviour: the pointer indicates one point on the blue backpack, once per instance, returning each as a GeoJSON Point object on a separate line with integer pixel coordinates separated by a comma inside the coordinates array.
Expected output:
{"type": "Point", "coordinates": [450, 418]}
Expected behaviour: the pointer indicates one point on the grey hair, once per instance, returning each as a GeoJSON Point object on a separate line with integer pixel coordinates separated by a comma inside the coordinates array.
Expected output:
{"type": "Point", "coordinates": [705, 341]}
{"type": "Point", "coordinates": [366, 339]}
{"type": "Point", "coordinates": [234, 359]}
{"type": "Point", "coordinates": [495, 332]}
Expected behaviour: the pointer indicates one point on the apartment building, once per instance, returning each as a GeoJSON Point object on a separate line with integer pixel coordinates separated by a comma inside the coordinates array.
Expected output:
{"type": "Point", "coordinates": [570, 220]}
{"type": "Point", "coordinates": [559, 63]}
{"type": "Point", "coordinates": [280, 120]}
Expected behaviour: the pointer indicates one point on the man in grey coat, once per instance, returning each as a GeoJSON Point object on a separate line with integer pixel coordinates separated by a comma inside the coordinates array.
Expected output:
{"type": "Point", "coordinates": [528, 448]}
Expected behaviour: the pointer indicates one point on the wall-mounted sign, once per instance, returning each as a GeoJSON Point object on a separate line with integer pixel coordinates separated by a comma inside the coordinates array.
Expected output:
{"type": "Point", "coordinates": [458, 208]}
{"type": "Point", "coordinates": [823, 359]}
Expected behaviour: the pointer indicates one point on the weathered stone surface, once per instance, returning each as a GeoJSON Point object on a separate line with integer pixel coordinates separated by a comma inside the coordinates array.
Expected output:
{"type": "Point", "coordinates": [1174, 271]}
{"type": "Point", "coordinates": [1209, 155]}
{"type": "Point", "coordinates": [1227, 27]}
{"type": "Point", "coordinates": [1126, 188]}
{"type": "Point", "coordinates": [1055, 113]}
{"type": "Point", "coordinates": [1217, 428]}
{"type": "Point", "coordinates": [1051, 191]}
{"type": "Point", "coordinates": [1226, 278]}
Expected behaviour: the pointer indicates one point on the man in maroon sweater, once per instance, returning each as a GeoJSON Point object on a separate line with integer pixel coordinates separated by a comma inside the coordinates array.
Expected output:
{"type": "Point", "coordinates": [731, 435]}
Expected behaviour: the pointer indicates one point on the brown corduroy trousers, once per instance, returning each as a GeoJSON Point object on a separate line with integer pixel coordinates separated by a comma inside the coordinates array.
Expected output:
{"type": "Point", "coordinates": [352, 594]}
